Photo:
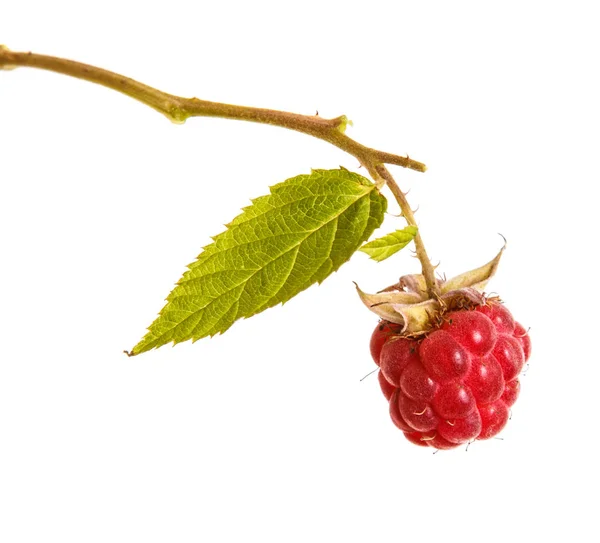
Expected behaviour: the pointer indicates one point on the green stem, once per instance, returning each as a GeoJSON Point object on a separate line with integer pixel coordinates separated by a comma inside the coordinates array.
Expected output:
{"type": "Point", "coordinates": [426, 266]}
{"type": "Point", "coordinates": [178, 109]}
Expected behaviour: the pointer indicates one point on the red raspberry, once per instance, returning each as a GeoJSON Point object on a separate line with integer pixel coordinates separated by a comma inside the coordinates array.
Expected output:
{"type": "Point", "coordinates": [416, 383]}
{"type": "Point", "coordinates": [419, 416]}
{"type": "Point", "coordinates": [521, 334]}
{"type": "Point", "coordinates": [417, 438]}
{"type": "Point", "coordinates": [435, 440]}
{"type": "Point", "coordinates": [454, 400]}
{"type": "Point", "coordinates": [494, 417]}
{"type": "Point", "coordinates": [387, 388]}
{"type": "Point", "coordinates": [383, 331]}
{"type": "Point", "coordinates": [396, 354]}
{"type": "Point", "coordinates": [509, 353]}
{"type": "Point", "coordinates": [438, 442]}
{"type": "Point", "coordinates": [443, 357]}
{"type": "Point", "coordinates": [511, 392]}
{"type": "Point", "coordinates": [485, 380]}
{"type": "Point", "coordinates": [395, 414]}
{"type": "Point", "coordinates": [472, 330]}
{"type": "Point", "coordinates": [461, 430]}
{"type": "Point", "coordinates": [500, 316]}
{"type": "Point", "coordinates": [457, 382]}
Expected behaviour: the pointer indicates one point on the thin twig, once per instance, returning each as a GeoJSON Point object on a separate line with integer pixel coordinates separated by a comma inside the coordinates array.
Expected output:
{"type": "Point", "coordinates": [178, 109]}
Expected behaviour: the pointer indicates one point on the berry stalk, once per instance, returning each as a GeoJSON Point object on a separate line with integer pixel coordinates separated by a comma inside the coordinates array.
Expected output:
{"type": "Point", "coordinates": [427, 268]}
{"type": "Point", "coordinates": [179, 109]}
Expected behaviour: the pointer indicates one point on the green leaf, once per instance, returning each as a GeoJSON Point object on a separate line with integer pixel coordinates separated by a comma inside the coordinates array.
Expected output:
{"type": "Point", "coordinates": [304, 230]}
{"type": "Point", "coordinates": [384, 247]}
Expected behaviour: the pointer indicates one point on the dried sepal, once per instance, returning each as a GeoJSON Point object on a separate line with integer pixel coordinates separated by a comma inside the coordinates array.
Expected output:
{"type": "Point", "coordinates": [408, 304]}
{"type": "Point", "coordinates": [384, 303]}
{"type": "Point", "coordinates": [476, 278]}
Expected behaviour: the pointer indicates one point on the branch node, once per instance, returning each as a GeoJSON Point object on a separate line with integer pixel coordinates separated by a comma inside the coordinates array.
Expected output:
{"type": "Point", "coordinates": [5, 58]}
{"type": "Point", "coordinates": [176, 114]}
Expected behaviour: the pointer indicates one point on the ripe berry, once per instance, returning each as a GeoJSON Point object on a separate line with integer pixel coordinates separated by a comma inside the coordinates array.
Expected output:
{"type": "Point", "coordinates": [500, 316]}
{"type": "Point", "coordinates": [511, 392]}
{"type": "Point", "coordinates": [461, 430]}
{"type": "Point", "coordinates": [387, 388]}
{"type": "Point", "coordinates": [438, 442]}
{"type": "Point", "coordinates": [419, 416]}
{"type": "Point", "coordinates": [443, 357]}
{"type": "Point", "coordinates": [396, 354]}
{"type": "Point", "coordinates": [416, 383]}
{"type": "Point", "coordinates": [395, 414]}
{"type": "Point", "coordinates": [494, 417]}
{"type": "Point", "coordinates": [416, 438]}
{"type": "Point", "coordinates": [454, 400]}
{"type": "Point", "coordinates": [485, 380]}
{"type": "Point", "coordinates": [383, 331]}
{"type": "Point", "coordinates": [521, 334]}
{"type": "Point", "coordinates": [472, 330]}
{"type": "Point", "coordinates": [509, 353]}
{"type": "Point", "coordinates": [455, 383]}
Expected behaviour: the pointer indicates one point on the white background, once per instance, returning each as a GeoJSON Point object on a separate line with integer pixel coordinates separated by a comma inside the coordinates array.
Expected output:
{"type": "Point", "coordinates": [267, 433]}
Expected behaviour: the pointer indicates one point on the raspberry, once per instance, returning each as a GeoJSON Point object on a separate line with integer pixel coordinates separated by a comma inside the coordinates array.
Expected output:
{"type": "Point", "coordinates": [416, 383]}
{"type": "Point", "coordinates": [387, 388]}
{"type": "Point", "coordinates": [443, 357]}
{"type": "Point", "coordinates": [454, 400]}
{"type": "Point", "coordinates": [438, 442]}
{"type": "Point", "coordinates": [521, 334]}
{"type": "Point", "coordinates": [509, 353]}
{"type": "Point", "coordinates": [395, 414]}
{"type": "Point", "coordinates": [494, 417]}
{"type": "Point", "coordinates": [511, 392]}
{"type": "Point", "coordinates": [463, 429]}
{"type": "Point", "coordinates": [485, 380]}
{"type": "Point", "coordinates": [383, 331]}
{"type": "Point", "coordinates": [396, 354]}
{"type": "Point", "coordinates": [419, 416]}
{"type": "Point", "coordinates": [500, 316]}
{"type": "Point", "coordinates": [456, 382]}
{"type": "Point", "coordinates": [416, 438]}
{"type": "Point", "coordinates": [472, 330]}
